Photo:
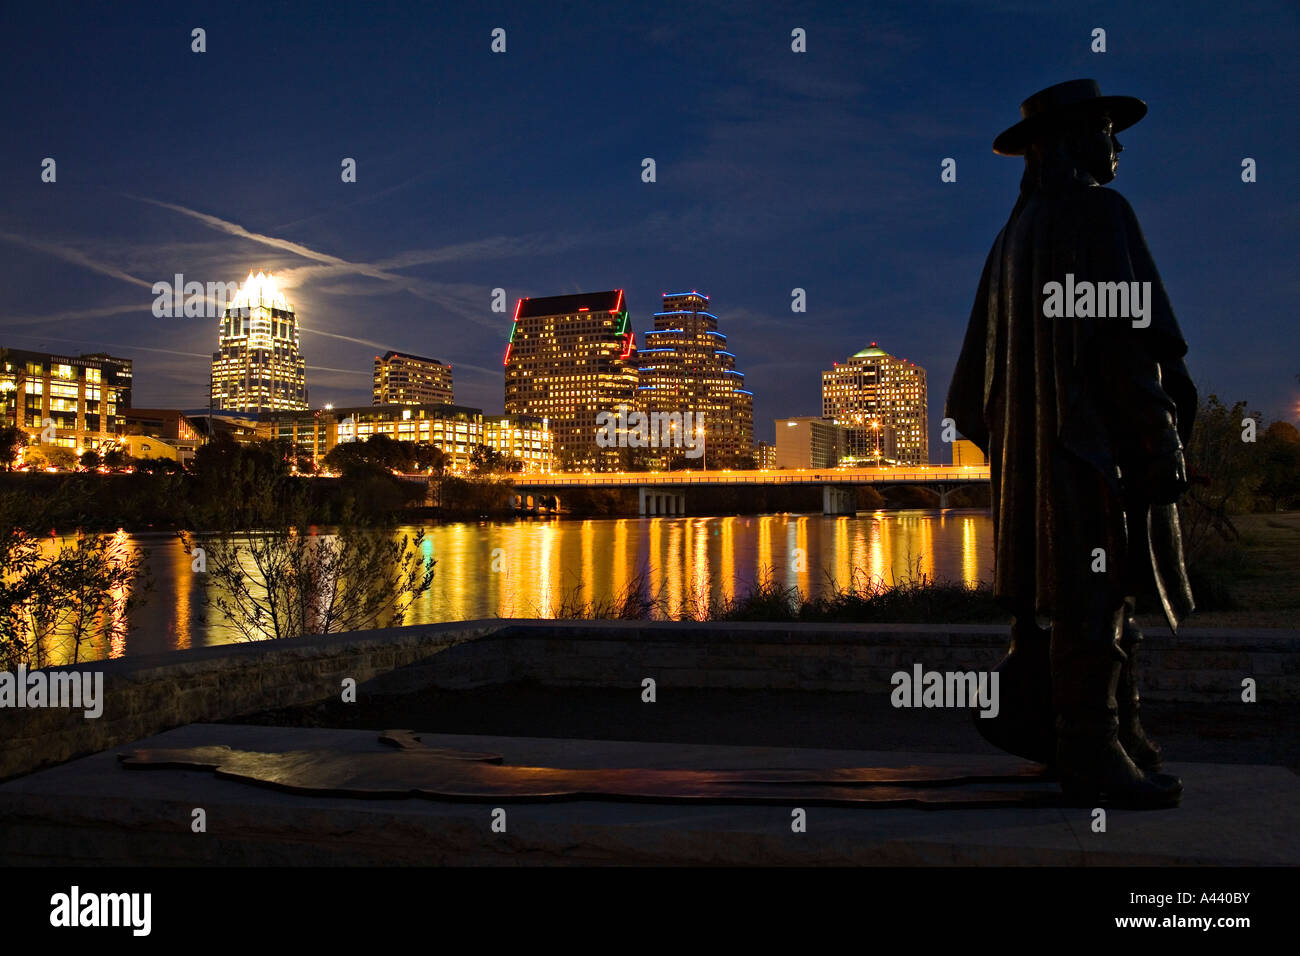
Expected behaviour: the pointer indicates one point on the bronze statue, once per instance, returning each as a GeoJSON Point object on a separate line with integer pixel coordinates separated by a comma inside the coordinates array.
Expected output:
{"type": "Point", "coordinates": [1071, 378]}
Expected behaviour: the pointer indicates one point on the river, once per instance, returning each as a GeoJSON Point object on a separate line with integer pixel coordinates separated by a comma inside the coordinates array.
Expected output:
{"type": "Point", "coordinates": [540, 568]}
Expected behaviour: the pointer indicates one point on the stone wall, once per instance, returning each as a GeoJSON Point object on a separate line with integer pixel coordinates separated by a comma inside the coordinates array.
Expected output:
{"type": "Point", "coordinates": [147, 695]}
{"type": "Point", "coordinates": [1204, 665]}
{"type": "Point", "coordinates": [150, 694]}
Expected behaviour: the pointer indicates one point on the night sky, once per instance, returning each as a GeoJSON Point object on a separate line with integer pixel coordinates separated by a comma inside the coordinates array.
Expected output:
{"type": "Point", "coordinates": [522, 170]}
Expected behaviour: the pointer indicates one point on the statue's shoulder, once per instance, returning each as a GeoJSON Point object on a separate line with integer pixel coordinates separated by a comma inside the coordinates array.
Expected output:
{"type": "Point", "coordinates": [1091, 208]}
{"type": "Point", "coordinates": [1108, 197]}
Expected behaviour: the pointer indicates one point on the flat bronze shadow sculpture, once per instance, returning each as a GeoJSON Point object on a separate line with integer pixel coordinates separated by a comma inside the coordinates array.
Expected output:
{"type": "Point", "coordinates": [412, 769]}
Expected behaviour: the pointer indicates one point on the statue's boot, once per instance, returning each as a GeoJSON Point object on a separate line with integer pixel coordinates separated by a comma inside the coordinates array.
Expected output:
{"type": "Point", "coordinates": [1144, 752]}
{"type": "Point", "coordinates": [1025, 722]}
{"type": "Point", "coordinates": [1094, 768]}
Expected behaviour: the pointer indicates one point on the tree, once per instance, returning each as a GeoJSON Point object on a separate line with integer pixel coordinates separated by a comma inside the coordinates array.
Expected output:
{"type": "Point", "coordinates": [286, 580]}
{"type": "Point", "coordinates": [77, 593]}
{"type": "Point", "coordinates": [377, 453]}
{"type": "Point", "coordinates": [35, 458]}
{"type": "Point", "coordinates": [39, 457]}
{"type": "Point", "coordinates": [157, 466]}
{"type": "Point", "coordinates": [237, 486]}
{"type": "Point", "coordinates": [90, 459]}
{"type": "Point", "coordinates": [430, 458]}
{"type": "Point", "coordinates": [115, 459]}
{"type": "Point", "coordinates": [61, 458]}
{"type": "Point", "coordinates": [1221, 468]}
{"type": "Point", "coordinates": [12, 440]}
{"type": "Point", "coordinates": [486, 461]}
{"type": "Point", "coordinates": [1279, 464]}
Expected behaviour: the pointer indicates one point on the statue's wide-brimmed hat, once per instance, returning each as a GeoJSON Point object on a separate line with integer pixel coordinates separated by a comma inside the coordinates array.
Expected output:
{"type": "Point", "coordinates": [1062, 103]}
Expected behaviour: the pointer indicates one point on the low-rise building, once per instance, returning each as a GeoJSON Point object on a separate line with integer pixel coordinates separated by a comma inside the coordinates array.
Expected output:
{"type": "Point", "coordinates": [808, 443]}
{"type": "Point", "coordinates": [455, 429]}
{"type": "Point", "coordinates": [966, 452]}
{"type": "Point", "coordinates": [151, 446]}
{"type": "Point", "coordinates": [169, 425]}
{"type": "Point", "coordinates": [521, 437]}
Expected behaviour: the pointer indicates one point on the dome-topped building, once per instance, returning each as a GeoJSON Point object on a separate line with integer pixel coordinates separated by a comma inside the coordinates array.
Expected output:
{"type": "Point", "coordinates": [882, 401]}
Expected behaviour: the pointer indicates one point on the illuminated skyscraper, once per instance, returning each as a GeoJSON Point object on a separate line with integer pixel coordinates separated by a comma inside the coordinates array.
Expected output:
{"type": "Point", "coordinates": [872, 393]}
{"type": "Point", "coordinates": [685, 367]}
{"type": "Point", "coordinates": [258, 365]}
{"type": "Point", "coordinates": [570, 358]}
{"type": "Point", "coordinates": [402, 379]}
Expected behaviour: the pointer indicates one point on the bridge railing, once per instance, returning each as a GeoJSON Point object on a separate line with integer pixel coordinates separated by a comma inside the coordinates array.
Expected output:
{"type": "Point", "coordinates": [853, 476]}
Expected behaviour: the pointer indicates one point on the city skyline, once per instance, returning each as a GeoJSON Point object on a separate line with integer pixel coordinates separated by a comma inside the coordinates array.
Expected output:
{"type": "Point", "coordinates": [407, 257]}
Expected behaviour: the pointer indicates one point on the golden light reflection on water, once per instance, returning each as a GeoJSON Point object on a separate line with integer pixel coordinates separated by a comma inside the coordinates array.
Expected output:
{"type": "Point", "coordinates": [688, 565]}
{"type": "Point", "coordinates": [970, 552]}
{"type": "Point", "coordinates": [588, 560]}
{"type": "Point", "coordinates": [766, 523]}
{"type": "Point", "coordinates": [877, 543]}
{"type": "Point", "coordinates": [727, 558]}
{"type": "Point", "coordinates": [183, 573]}
{"type": "Point", "coordinates": [698, 572]}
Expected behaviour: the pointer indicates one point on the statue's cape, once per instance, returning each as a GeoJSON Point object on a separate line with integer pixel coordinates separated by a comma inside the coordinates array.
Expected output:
{"type": "Point", "coordinates": [1051, 399]}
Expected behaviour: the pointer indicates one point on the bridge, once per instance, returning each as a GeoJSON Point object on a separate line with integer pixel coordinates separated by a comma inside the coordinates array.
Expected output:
{"type": "Point", "coordinates": [664, 492]}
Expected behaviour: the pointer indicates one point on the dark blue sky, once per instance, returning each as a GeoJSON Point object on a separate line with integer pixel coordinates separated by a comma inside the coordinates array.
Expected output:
{"type": "Point", "coordinates": [522, 170]}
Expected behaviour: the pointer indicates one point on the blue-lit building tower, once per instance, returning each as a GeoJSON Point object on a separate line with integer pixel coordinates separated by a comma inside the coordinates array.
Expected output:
{"type": "Point", "coordinates": [685, 367]}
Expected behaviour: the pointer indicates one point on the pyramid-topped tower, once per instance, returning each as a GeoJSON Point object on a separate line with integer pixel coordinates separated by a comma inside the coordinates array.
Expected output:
{"type": "Point", "coordinates": [258, 365]}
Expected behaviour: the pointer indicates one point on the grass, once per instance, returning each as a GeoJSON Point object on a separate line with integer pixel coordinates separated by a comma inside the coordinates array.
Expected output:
{"type": "Point", "coordinates": [1253, 583]}
{"type": "Point", "coordinates": [914, 598]}
{"type": "Point", "coordinates": [1258, 584]}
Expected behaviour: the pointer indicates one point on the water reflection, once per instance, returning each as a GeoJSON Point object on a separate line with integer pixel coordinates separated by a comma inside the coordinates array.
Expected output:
{"type": "Point", "coordinates": [544, 568]}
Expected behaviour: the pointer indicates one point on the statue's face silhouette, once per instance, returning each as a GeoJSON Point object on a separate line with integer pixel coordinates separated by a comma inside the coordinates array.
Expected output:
{"type": "Point", "coordinates": [1098, 150]}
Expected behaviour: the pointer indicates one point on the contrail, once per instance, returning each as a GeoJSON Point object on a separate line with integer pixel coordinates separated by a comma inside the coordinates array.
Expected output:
{"type": "Point", "coordinates": [75, 256]}
{"type": "Point", "coordinates": [345, 338]}
{"type": "Point", "coordinates": [344, 371]}
{"type": "Point", "coordinates": [234, 229]}
{"type": "Point", "coordinates": [112, 345]}
{"type": "Point", "coordinates": [77, 314]}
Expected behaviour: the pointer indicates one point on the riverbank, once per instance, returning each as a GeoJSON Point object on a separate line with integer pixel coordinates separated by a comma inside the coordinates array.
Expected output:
{"type": "Point", "coordinates": [66, 503]}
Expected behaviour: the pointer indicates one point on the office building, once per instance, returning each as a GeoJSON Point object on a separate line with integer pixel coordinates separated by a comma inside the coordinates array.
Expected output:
{"type": "Point", "coordinates": [74, 402]}
{"type": "Point", "coordinates": [871, 393]}
{"type": "Point", "coordinates": [402, 379]}
{"type": "Point", "coordinates": [570, 358]}
{"type": "Point", "coordinates": [685, 366]}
